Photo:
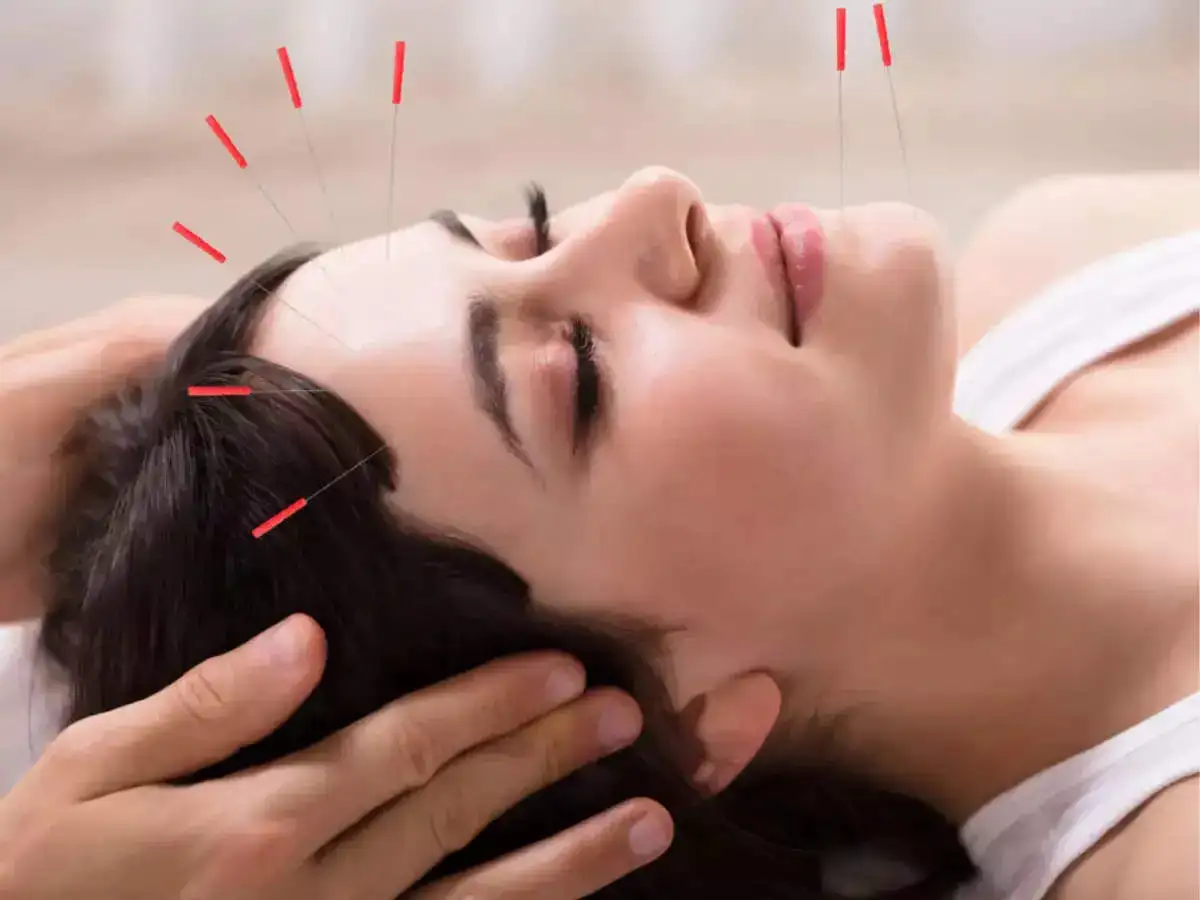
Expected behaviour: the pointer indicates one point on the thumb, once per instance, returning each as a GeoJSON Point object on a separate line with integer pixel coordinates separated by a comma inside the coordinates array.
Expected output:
{"type": "Point", "coordinates": [225, 703]}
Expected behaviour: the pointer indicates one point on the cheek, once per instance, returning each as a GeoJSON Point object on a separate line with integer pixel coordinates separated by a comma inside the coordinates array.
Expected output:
{"type": "Point", "coordinates": [726, 475]}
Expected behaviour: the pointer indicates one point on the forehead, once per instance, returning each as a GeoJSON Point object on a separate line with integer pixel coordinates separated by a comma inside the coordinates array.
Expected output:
{"type": "Point", "coordinates": [384, 289]}
{"type": "Point", "coordinates": [389, 338]}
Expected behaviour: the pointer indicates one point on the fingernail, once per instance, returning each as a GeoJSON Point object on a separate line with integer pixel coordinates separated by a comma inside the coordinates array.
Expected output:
{"type": "Point", "coordinates": [282, 645]}
{"type": "Point", "coordinates": [648, 837]}
{"type": "Point", "coordinates": [565, 684]}
{"type": "Point", "coordinates": [618, 727]}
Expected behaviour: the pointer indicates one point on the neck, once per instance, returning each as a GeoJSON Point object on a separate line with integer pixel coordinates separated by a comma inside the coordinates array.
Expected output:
{"type": "Point", "coordinates": [999, 639]}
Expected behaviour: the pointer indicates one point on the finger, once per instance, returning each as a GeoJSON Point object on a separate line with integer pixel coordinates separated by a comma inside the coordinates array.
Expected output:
{"type": "Point", "coordinates": [56, 336]}
{"type": "Point", "coordinates": [92, 851]}
{"type": "Point", "coordinates": [451, 810]}
{"type": "Point", "coordinates": [151, 317]}
{"type": "Point", "coordinates": [571, 865]}
{"type": "Point", "coordinates": [44, 392]}
{"type": "Point", "coordinates": [333, 785]}
{"type": "Point", "coordinates": [46, 378]}
{"type": "Point", "coordinates": [220, 706]}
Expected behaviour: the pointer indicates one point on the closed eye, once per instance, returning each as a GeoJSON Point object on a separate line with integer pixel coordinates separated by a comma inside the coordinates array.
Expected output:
{"type": "Point", "coordinates": [588, 385]}
{"type": "Point", "coordinates": [589, 393]}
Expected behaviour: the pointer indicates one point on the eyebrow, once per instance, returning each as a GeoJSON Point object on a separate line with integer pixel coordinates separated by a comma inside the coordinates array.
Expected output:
{"type": "Point", "coordinates": [490, 390]}
{"type": "Point", "coordinates": [450, 222]}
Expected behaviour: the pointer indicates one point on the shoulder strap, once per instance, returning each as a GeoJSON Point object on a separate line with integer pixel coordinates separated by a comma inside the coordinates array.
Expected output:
{"type": "Point", "coordinates": [1074, 323]}
{"type": "Point", "coordinates": [1025, 839]}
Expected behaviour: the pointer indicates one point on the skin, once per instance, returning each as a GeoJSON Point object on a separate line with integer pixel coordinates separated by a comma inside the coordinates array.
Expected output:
{"type": "Point", "coordinates": [704, 383]}
{"type": "Point", "coordinates": [92, 820]}
{"type": "Point", "coordinates": [1045, 232]}
{"type": "Point", "coordinates": [813, 513]}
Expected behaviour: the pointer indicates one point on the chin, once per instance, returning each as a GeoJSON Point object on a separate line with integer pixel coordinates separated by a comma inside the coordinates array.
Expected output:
{"type": "Point", "coordinates": [883, 236]}
{"type": "Point", "coordinates": [887, 314]}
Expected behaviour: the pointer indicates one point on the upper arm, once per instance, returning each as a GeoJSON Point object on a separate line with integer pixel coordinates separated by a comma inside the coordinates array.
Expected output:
{"type": "Point", "coordinates": [1058, 225]}
{"type": "Point", "coordinates": [1153, 855]}
{"type": "Point", "coordinates": [1163, 859]}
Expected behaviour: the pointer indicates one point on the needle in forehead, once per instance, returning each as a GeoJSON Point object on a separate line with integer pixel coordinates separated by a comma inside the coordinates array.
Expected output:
{"type": "Point", "coordinates": [240, 160]}
{"type": "Point", "coordinates": [483, 350]}
{"type": "Point", "coordinates": [289, 75]}
{"type": "Point", "coordinates": [397, 95]}
{"type": "Point", "coordinates": [240, 390]}
{"type": "Point", "coordinates": [201, 244]}
{"type": "Point", "coordinates": [242, 163]}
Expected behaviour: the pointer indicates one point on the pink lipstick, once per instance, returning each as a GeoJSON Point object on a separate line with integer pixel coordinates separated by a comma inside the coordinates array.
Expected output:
{"type": "Point", "coordinates": [802, 243]}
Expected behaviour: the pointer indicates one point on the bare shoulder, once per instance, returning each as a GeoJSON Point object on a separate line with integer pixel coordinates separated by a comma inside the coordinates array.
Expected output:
{"type": "Point", "coordinates": [1154, 855]}
{"type": "Point", "coordinates": [1163, 858]}
{"type": "Point", "coordinates": [1053, 227]}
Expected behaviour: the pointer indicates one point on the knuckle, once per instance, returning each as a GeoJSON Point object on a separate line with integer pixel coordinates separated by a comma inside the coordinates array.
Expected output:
{"type": "Point", "coordinates": [552, 752]}
{"type": "Point", "coordinates": [548, 758]}
{"type": "Point", "coordinates": [201, 693]}
{"type": "Point", "coordinates": [268, 844]}
{"type": "Point", "coordinates": [454, 820]}
{"type": "Point", "coordinates": [415, 754]}
{"type": "Point", "coordinates": [73, 743]}
{"type": "Point", "coordinates": [247, 856]}
{"type": "Point", "coordinates": [473, 886]}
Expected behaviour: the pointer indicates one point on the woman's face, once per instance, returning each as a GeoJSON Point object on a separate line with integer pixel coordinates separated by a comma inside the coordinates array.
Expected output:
{"type": "Point", "coordinates": [627, 419]}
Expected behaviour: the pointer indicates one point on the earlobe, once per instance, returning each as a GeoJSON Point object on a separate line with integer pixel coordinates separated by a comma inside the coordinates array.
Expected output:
{"type": "Point", "coordinates": [732, 722]}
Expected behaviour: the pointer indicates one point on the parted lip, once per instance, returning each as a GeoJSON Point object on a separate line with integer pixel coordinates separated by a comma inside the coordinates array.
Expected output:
{"type": "Point", "coordinates": [768, 244]}
{"type": "Point", "coordinates": [790, 244]}
{"type": "Point", "coordinates": [779, 261]}
{"type": "Point", "coordinates": [802, 252]}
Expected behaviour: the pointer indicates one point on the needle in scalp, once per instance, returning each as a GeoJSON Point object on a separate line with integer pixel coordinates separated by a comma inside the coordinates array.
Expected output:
{"type": "Point", "coordinates": [289, 511]}
{"type": "Point", "coordinates": [244, 390]}
{"type": "Point", "coordinates": [200, 243]}
{"type": "Point", "coordinates": [397, 95]}
{"type": "Point", "coordinates": [241, 390]}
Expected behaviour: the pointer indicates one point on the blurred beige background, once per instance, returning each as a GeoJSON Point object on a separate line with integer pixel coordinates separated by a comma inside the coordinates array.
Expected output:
{"type": "Point", "coordinates": [103, 143]}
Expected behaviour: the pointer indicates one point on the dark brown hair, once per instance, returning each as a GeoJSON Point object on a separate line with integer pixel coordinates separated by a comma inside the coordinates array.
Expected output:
{"type": "Point", "coordinates": [155, 569]}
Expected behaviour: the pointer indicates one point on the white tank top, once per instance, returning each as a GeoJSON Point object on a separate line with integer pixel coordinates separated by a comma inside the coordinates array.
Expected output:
{"type": "Point", "coordinates": [1025, 839]}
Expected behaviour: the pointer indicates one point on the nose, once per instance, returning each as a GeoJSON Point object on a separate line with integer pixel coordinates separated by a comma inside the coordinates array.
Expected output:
{"type": "Point", "coordinates": [657, 223]}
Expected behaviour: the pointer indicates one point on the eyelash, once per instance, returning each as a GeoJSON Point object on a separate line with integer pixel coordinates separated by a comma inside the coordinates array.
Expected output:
{"type": "Point", "coordinates": [588, 393]}
{"type": "Point", "coordinates": [539, 216]}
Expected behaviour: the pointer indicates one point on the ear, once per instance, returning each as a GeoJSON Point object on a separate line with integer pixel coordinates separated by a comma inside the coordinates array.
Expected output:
{"type": "Point", "coordinates": [731, 724]}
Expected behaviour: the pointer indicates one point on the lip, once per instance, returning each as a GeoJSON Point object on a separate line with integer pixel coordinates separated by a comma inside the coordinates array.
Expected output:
{"type": "Point", "coordinates": [790, 243]}
{"type": "Point", "coordinates": [801, 242]}
{"type": "Point", "coordinates": [764, 234]}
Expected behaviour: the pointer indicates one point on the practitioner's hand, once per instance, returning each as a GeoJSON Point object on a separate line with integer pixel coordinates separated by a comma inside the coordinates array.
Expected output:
{"type": "Point", "coordinates": [420, 778]}
{"type": "Point", "coordinates": [46, 379]}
